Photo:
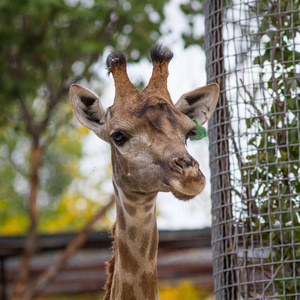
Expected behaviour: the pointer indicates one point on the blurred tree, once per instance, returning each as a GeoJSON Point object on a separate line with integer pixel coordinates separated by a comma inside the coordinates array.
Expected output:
{"type": "Point", "coordinates": [45, 46]}
{"type": "Point", "coordinates": [193, 10]}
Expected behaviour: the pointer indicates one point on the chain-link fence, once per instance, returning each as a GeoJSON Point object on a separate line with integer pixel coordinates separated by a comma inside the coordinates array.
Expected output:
{"type": "Point", "coordinates": [253, 52]}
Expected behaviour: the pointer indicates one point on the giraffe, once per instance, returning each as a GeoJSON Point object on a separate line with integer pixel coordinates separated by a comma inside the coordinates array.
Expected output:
{"type": "Point", "coordinates": [147, 134]}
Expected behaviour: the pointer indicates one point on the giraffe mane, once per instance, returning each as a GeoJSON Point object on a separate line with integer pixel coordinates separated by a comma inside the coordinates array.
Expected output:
{"type": "Point", "coordinates": [110, 268]}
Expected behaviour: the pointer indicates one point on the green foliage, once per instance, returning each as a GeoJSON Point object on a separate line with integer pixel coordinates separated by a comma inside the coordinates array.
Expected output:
{"type": "Point", "coordinates": [192, 9]}
{"type": "Point", "coordinates": [41, 40]}
{"type": "Point", "coordinates": [44, 47]}
{"type": "Point", "coordinates": [271, 171]}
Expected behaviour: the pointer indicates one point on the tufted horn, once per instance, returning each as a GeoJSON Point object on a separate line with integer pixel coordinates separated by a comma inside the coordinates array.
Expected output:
{"type": "Point", "coordinates": [158, 81]}
{"type": "Point", "coordinates": [116, 64]}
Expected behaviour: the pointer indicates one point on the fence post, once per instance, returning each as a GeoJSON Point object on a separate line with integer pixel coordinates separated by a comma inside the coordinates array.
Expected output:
{"type": "Point", "coordinates": [219, 126]}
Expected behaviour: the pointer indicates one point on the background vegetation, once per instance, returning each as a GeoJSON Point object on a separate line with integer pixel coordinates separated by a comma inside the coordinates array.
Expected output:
{"type": "Point", "coordinates": [273, 169]}
{"type": "Point", "coordinates": [45, 46]}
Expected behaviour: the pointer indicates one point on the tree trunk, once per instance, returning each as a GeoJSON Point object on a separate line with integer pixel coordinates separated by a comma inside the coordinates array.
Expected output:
{"type": "Point", "coordinates": [30, 243]}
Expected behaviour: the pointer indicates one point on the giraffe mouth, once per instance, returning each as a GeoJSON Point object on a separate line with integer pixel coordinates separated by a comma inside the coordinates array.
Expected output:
{"type": "Point", "coordinates": [188, 188]}
{"type": "Point", "coordinates": [182, 196]}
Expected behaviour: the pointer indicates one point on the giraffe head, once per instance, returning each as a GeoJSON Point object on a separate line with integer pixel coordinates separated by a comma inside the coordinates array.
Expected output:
{"type": "Point", "coordinates": [146, 131]}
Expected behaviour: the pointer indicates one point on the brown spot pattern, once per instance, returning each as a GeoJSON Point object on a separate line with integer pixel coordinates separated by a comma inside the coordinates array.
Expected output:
{"type": "Point", "coordinates": [148, 219]}
{"type": "Point", "coordinates": [154, 243]}
{"type": "Point", "coordinates": [121, 218]}
{"type": "Point", "coordinates": [115, 189]}
{"type": "Point", "coordinates": [130, 209]}
{"type": "Point", "coordinates": [144, 244]}
{"type": "Point", "coordinates": [131, 197]}
{"type": "Point", "coordinates": [148, 207]}
{"type": "Point", "coordinates": [150, 198]}
{"type": "Point", "coordinates": [132, 232]}
{"type": "Point", "coordinates": [128, 261]}
{"type": "Point", "coordinates": [127, 292]}
{"type": "Point", "coordinates": [148, 285]}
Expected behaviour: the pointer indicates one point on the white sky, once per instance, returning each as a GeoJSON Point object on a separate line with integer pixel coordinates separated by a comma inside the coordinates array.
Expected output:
{"type": "Point", "coordinates": [187, 72]}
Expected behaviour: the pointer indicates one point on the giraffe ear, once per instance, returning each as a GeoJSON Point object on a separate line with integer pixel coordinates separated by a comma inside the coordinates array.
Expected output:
{"type": "Point", "coordinates": [88, 110]}
{"type": "Point", "coordinates": [199, 104]}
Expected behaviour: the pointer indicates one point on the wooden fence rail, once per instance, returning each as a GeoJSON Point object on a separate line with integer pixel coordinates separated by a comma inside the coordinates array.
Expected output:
{"type": "Point", "coordinates": [181, 254]}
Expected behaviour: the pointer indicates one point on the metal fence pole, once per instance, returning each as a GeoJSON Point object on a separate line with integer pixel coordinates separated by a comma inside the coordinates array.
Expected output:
{"type": "Point", "coordinates": [218, 127]}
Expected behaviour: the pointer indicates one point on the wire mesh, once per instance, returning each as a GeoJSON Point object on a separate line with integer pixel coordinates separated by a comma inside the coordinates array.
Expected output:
{"type": "Point", "coordinates": [253, 52]}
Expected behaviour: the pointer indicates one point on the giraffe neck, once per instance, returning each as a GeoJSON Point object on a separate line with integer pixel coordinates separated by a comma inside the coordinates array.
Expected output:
{"type": "Point", "coordinates": [135, 246]}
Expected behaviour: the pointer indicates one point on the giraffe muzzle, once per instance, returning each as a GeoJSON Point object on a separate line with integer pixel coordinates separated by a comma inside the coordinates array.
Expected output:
{"type": "Point", "coordinates": [187, 180]}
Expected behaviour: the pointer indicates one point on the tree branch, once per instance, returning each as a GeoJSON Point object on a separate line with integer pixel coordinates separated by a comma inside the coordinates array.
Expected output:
{"type": "Point", "coordinates": [49, 275]}
{"type": "Point", "coordinates": [252, 103]}
{"type": "Point", "coordinates": [59, 96]}
{"type": "Point", "coordinates": [31, 127]}
{"type": "Point", "coordinates": [14, 164]}
{"type": "Point", "coordinates": [30, 243]}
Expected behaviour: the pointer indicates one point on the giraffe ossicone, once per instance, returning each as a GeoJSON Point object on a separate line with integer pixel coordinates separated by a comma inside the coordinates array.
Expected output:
{"type": "Point", "coordinates": [147, 134]}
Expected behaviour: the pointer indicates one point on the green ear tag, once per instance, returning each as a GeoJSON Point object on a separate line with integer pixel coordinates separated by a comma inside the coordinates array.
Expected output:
{"type": "Point", "coordinates": [200, 132]}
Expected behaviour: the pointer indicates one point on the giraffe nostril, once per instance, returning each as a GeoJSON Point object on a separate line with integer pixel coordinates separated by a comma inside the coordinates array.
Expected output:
{"type": "Point", "coordinates": [182, 163]}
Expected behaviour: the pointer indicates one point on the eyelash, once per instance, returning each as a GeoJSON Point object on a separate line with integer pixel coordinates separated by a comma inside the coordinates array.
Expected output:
{"type": "Point", "coordinates": [119, 138]}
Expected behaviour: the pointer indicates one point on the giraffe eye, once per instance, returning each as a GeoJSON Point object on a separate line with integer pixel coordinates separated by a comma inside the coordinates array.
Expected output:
{"type": "Point", "coordinates": [119, 138]}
